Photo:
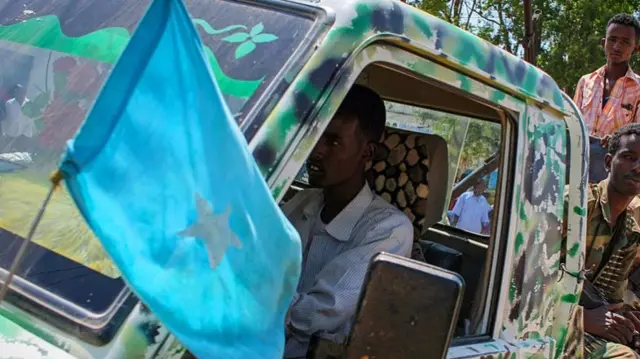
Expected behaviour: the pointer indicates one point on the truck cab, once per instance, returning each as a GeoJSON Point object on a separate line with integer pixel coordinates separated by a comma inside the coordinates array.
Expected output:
{"type": "Point", "coordinates": [284, 67]}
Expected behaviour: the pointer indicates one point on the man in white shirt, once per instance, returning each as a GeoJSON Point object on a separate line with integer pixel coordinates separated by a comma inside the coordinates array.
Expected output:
{"type": "Point", "coordinates": [13, 122]}
{"type": "Point", "coordinates": [471, 211]}
{"type": "Point", "coordinates": [342, 224]}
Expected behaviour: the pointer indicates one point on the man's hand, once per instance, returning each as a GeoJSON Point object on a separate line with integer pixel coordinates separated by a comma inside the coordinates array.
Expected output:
{"type": "Point", "coordinates": [609, 325]}
{"type": "Point", "coordinates": [634, 317]}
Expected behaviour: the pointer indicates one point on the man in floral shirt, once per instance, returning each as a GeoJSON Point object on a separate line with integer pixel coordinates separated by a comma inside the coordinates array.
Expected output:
{"type": "Point", "coordinates": [608, 97]}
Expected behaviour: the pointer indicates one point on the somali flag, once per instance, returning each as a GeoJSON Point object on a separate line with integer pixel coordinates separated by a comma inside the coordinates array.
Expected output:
{"type": "Point", "coordinates": [163, 176]}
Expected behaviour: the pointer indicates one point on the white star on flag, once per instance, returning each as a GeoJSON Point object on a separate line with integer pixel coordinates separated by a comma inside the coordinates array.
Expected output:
{"type": "Point", "coordinates": [214, 230]}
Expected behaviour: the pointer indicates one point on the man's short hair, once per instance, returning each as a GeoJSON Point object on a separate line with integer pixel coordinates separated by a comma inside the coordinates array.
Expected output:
{"type": "Point", "coordinates": [614, 142]}
{"type": "Point", "coordinates": [367, 106]}
{"type": "Point", "coordinates": [626, 20]}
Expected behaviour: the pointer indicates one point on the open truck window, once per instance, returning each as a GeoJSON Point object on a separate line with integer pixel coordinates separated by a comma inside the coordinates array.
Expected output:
{"type": "Point", "coordinates": [434, 134]}
{"type": "Point", "coordinates": [60, 57]}
{"type": "Point", "coordinates": [471, 143]}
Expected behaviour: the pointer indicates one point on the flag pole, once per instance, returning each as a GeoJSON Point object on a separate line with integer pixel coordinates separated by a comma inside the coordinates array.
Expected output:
{"type": "Point", "coordinates": [56, 178]}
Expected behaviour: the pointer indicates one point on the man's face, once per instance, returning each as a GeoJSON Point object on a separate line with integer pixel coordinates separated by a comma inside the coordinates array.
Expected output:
{"type": "Point", "coordinates": [479, 188]}
{"type": "Point", "coordinates": [619, 43]}
{"type": "Point", "coordinates": [624, 166]}
{"type": "Point", "coordinates": [20, 93]}
{"type": "Point", "coordinates": [340, 154]}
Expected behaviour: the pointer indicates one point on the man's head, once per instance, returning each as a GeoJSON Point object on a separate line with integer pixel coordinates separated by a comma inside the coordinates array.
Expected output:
{"type": "Point", "coordinates": [623, 160]}
{"type": "Point", "coordinates": [622, 39]}
{"type": "Point", "coordinates": [349, 140]}
{"type": "Point", "coordinates": [479, 187]}
{"type": "Point", "coordinates": [18, 92]}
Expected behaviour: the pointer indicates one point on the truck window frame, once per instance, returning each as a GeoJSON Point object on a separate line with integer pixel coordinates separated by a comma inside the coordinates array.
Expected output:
{"type": "Point", "coordinates": [382, 50]}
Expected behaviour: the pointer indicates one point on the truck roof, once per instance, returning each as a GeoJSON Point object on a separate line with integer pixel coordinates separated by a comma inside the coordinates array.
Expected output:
{"type": "Point", "coordinates": [357, 22]}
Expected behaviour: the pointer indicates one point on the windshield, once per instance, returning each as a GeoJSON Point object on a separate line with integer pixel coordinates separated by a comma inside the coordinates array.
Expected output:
{"type": "Point", "coordinates": [55, 58]}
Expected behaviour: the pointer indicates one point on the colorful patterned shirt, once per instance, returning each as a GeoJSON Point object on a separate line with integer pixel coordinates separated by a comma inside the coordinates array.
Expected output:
{"type": "Point", "coordinates": [620, 109]}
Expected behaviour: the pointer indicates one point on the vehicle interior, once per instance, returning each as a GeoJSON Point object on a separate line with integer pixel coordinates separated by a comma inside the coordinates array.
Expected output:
{"type": "Point", "coordinates": [415, 171]}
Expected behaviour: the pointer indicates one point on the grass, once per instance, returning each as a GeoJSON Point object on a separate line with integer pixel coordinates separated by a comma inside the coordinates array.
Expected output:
{"type": "Point", "coordinates": [62, 229]}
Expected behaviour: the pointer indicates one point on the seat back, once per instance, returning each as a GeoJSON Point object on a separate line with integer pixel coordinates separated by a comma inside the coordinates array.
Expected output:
{"type": "Point", "coordinates": [410, 171]}
{"type": "Point", "coordinates": [441, 256]}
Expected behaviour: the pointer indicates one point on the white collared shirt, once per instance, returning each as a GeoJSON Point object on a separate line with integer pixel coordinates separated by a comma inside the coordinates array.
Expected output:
{"type": "Point", "coordinates": [472, 212]}
{"type": "Point", "coordinates": [16, 123]}
{"type": "Point", "coordinates": [335, 261]}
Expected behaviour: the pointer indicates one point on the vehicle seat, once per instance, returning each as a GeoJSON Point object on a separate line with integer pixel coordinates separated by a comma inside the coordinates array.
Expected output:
{"type": "Point", "coordinates": [441, 256]}
{"type": "Point", "coordinates": [410, 171]}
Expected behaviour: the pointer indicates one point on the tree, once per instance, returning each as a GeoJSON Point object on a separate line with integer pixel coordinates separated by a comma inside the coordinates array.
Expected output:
{"type": "Point", "coordinates": [568, 32]}
{"type": "Point", "coordinates": [457, 12]}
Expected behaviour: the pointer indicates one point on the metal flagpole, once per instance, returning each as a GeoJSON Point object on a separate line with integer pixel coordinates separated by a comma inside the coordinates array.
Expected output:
{"type": "Point", "coordinates": [55, 179]}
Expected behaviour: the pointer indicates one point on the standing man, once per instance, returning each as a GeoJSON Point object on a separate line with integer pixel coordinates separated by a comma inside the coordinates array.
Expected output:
{"type": "Point", "coordinates": [471, 211]}
{"type": "Point", "coordinates": [16, 129]}
{"type": "Point", "coordinates": [608, 98]}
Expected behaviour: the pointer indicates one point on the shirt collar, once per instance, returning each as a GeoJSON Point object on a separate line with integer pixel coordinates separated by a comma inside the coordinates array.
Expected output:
{"type": "Point", "coordinates": [629, 75]}
{"type": "Point", "coordinates": [342, 225]}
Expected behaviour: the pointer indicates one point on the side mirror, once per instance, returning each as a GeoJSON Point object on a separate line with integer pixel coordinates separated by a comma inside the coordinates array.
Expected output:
{"type": "Point", "coordinates": [408, 309]}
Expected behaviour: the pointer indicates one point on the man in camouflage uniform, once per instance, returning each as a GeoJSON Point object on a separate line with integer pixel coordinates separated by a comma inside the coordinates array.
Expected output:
{"type": "Point", "coordinates": [613, 239]}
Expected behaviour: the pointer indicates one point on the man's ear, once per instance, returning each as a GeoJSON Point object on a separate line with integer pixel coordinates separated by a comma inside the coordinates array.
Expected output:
{"type": "Point", "coordinates": [602, 42]}
{"type": "Point", "coordinates": [369, 151]}
{"type": "Point", "coordinates": [636, 49]}
{"type": "Point", "coordinates": [608, 158]}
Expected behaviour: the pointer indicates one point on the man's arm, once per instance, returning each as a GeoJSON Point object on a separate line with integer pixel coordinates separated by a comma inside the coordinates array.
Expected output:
{"type": "Point", "coordinates": [486, 224]}
{"type": "Point", "coordinates": [332, 301]}
{"type": "Point", "coordinates": [457, 210]}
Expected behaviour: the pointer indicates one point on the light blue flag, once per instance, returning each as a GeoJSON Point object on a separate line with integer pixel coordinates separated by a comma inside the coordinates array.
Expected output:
{"type": "Point", "coordinates": [164, 177]}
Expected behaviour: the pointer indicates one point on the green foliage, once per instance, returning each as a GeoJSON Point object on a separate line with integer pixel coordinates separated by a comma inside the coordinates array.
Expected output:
{"type": "Point", "coordinates": [470, 141]}
{"type": "Point", "coordinates": [567, 36]}
{"type": "Point", "coordinates": [567, 42]}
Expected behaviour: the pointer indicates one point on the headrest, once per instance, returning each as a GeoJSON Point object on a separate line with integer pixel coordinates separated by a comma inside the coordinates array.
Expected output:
{"type": "Point", "coordinates": [410, 171]}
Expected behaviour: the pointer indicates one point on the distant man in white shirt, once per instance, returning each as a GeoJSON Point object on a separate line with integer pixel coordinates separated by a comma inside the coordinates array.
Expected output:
{"type": "Point", "coordinates": [14, 122]}
{"type": "Point", "coordinates": [15, 127]}
{"type": "Point", "coordinates": [342, 224]}
{"type": "Point", "coordinates": [471, 211]}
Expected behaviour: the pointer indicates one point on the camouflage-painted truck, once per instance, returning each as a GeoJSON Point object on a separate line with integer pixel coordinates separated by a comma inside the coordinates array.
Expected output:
{"type": "Point", "coordinates": [284, 67]}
